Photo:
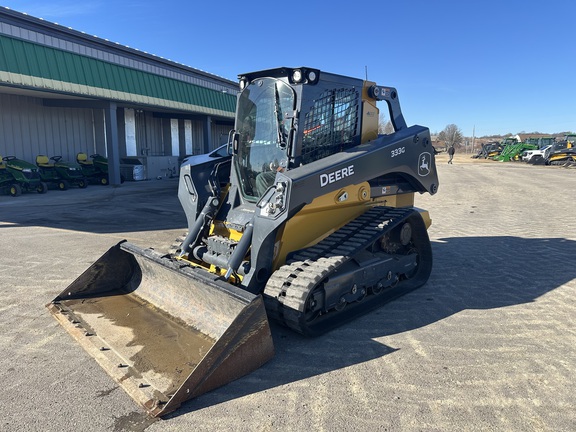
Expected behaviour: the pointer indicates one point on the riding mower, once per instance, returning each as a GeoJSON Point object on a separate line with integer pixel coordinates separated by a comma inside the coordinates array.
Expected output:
{"type": "Point", "coordinates": [59, 172]}
{"type": "Point", "coordinates": [26, 176]}
{"type": "Point", "coordinates": [95, 170]}
{"type": "Point", "coordinates": [7, 181]}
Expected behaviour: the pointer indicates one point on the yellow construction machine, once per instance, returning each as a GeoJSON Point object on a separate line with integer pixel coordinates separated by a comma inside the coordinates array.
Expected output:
{"type": "Point", "coordinates": [311, 222]}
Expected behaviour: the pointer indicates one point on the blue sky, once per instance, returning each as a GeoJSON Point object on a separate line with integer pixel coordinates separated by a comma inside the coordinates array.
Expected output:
{"type": "Point", "coordinates": [495, 67]}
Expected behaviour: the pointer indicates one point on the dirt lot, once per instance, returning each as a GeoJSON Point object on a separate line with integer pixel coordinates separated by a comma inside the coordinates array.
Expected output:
{"type": "Point", "coordinates": [488, 344]}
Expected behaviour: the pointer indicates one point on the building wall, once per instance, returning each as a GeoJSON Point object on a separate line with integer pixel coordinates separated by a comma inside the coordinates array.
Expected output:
{"type": "Point", "coordinates": [219, 134]}
{"type": "Point", "coordinates": [27, 128]}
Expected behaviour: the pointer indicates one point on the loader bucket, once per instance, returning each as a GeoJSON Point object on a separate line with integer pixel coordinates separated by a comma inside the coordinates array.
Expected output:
{"type": "Point", "coordinates": [166, 333]}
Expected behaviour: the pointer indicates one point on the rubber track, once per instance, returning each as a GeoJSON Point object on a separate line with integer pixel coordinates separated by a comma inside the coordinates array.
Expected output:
{"type": "Point", "coordinates": [289, 287]}
{"type": "Point", "coordinates": [563, 162]}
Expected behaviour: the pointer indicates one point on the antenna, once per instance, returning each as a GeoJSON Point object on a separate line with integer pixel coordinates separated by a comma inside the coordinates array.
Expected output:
{"type": "Point", "coordinates": [366, 71]}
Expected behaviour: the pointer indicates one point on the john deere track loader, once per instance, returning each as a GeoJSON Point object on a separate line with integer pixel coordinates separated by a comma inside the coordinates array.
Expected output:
{"type": "Point", "coordinates": [312, 221]}
{"type": "Point", "coordinates": [563, 152]}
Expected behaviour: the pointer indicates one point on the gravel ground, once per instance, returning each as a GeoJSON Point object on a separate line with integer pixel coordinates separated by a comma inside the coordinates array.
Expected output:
{"type": "Point", "coordinates": [489, 343]}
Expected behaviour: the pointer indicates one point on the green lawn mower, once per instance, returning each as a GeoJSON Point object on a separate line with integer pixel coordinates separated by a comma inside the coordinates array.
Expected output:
{"type": "Point", "coordinates": [95, 170]}
{"type": "Point", "coordinates": [7, 181]}
{"type": "Point", "coordinates": [26, 176]}
{"type": "Point", "coordinates": [61, 173]}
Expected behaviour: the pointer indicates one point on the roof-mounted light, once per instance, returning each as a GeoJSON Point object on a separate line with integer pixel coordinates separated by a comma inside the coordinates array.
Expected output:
{"type": "Point", "coordinates": [297, 76]}
{"type": "Point", "coordinates": [304, 76]}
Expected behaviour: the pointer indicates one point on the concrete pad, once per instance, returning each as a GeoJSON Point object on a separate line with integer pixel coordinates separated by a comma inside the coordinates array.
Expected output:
{"type": "Point", "coordinates": [488, 344]}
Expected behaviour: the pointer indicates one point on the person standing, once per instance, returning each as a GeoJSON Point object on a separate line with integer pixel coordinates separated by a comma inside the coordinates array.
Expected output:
{"type": "Point", "coordinates": [451, 152]}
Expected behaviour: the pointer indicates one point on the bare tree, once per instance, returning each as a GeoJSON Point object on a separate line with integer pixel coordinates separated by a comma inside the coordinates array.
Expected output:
{"type": "Point", "coordinates": [381, 123]}
{"type": "Point", "coordinates": [451, 135]}
{"type": "Point", "coordinates": [384, 126]}
{"type": "Point", "coordinates": [388, 128]}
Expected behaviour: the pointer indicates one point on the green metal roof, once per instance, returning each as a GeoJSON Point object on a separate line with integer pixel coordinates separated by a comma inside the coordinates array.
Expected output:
{"type": "Point", "coordinates": [32, 65]}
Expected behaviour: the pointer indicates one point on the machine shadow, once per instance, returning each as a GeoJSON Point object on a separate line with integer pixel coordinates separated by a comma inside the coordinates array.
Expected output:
{"type": "Point", "coordinates": [468, 273]}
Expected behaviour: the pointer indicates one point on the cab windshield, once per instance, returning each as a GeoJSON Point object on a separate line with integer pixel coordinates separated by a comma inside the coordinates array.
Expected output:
{"type": "Point", "coordinates": [263, 127]}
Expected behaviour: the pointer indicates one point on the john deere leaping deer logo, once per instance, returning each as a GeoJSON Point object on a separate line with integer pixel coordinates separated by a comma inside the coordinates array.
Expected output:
{"type": "Point", "coordinates": [424, 162]}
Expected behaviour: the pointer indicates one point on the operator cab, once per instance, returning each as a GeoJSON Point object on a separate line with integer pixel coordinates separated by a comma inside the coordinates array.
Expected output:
{"type": "Point", "coordinates": [290, 117]}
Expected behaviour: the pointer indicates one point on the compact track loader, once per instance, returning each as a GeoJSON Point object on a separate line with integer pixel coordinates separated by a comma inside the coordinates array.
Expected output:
{"type": "Point", "coordinates": [312, 223]}
{"type": "Point", "coordinates": [562, 152]}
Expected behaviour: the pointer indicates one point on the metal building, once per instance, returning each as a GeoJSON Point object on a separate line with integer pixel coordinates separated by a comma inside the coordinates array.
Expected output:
{"type": "Point", "coordinates": [63, 92]}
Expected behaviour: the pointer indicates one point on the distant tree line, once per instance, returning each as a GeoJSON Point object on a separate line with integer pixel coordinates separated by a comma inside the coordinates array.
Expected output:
{"type": "Point", "coordinates": [452, 135]}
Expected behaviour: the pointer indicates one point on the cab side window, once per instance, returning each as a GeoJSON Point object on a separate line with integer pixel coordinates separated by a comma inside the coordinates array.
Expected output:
{"type": "Point", "coordinates": [331, 124]}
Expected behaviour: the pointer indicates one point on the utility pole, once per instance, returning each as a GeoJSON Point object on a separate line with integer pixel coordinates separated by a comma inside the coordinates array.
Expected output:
{"type": "Point", "coordinates": [473, 137]}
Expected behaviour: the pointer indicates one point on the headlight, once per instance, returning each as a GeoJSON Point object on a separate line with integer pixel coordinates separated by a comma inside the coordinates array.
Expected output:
{"type": "Point", "coordinates": [297, 75]}
{"type": "Point", "coordinates": [27, 170]}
